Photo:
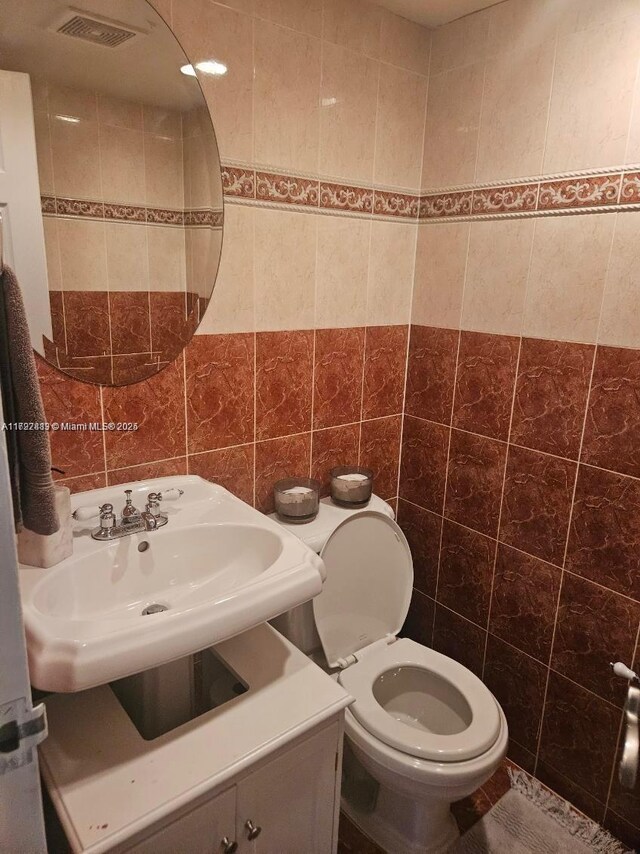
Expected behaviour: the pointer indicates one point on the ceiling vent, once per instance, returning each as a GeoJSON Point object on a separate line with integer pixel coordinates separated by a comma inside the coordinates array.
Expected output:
{"type": "Point", "coordinates": [94, 29]}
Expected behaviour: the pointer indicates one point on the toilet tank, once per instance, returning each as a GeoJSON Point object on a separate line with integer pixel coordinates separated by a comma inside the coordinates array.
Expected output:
{"type": "Point", "coordinates": [298, 624]}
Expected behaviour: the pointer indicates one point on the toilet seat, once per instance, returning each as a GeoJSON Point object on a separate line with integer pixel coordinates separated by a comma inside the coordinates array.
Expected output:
{"type": "Point", "coordinates": [480, 734]}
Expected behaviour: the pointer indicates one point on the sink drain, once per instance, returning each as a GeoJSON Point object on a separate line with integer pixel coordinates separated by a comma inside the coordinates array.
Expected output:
{"type": "Point", "coordinates": [156, 608]}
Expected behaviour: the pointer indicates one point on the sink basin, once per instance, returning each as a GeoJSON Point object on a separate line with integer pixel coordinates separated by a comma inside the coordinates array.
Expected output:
{"type": "Point", "coordinates": [112, 609]}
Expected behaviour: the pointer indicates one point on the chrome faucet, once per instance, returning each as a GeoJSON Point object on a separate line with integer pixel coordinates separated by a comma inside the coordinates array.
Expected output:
{"type": "Point", "coordinates": [132, 521]}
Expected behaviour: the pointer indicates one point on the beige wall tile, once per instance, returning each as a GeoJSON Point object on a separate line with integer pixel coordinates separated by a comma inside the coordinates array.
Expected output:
{"type": "Point", "coordinates": [286, 116]}
{"type": "Point", "coordinates": [39, 93]}
{"type": "Point", "coordinates": [167, 261]}
{"type": "Point", "coordinates": [620, 319]}
{"type": "Point", "coordinates": [163, 171]}
{"type": "Point", "coordinates": [441, 260]}
{"type": "Point", "coordinates": [203, 247]}
{"type": "Point", "coordinates": [348, 104]}
{"type": "Point", "coordinates": [73, 103]}
{"type": "Point", "coordinates": [285, 269]}
{"type": "Point", "coordinates": [232, 304]}
{"type": "Point", "coordinates": [496, 277]}
{"type": "Point", "coordinates": [592, 97]}
{"type": "Point", "coordinates": [118, 112]}
{"type": "Point", "coordinates": [566, 282]}
{"type": "Point", "coordinates": [83, 257]}
{"type": "Point", "coordinates": [404, 43]}
{"type": "Point", "coordinates": [43, 152]}
{"type": "Point", "coordinates": [162, 122]}
{"type": "Point", "coordinates": [451, 132]}
{"type": "Point", "coordinates": [522, 24]}
{"type": "Point", "coordinates": [399, 127]}
{"type": "Point", "coordinates": [76, 158]}
{"type": "Point", "coordinates": [127, 265]}
{"type": "Point", "coordinates": [305, 16]}
{"type": "Point", "coordinates": [203, 184]}
{"type": "Point", "coordinates": [123, 162]}
{"type": "Point", "coordinates": [52, 250]}
{"type": "Point", "coordinates": [209, 31]}
{"type": "Point", "coordinates": [462, 42]}
{"type": "Point", "coordinates": [515, 107]}
{"type": "Point", "coordinates": [343, 266]}
{"type": "Point", "coordinates": [578, 15]}
{"type": "Point", "coordinates": [355, 25]}
{"type": "Point", "coordinates": [632, 152]}
{"type": "Point", "coordinates": [391, 265]}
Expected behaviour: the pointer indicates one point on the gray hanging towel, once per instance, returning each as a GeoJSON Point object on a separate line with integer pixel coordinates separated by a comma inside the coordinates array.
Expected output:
{"type": "Point", "coordinates": [29, 451]}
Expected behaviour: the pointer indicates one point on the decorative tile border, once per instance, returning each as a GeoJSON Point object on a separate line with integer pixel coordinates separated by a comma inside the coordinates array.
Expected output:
{"type": "Point", "coordinates": [569, 193]}
{"type": "Point", "coordinates": [116, 212]}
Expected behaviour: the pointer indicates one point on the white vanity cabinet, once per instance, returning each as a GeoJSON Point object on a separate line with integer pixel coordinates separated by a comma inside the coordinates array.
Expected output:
{"type": "Point", "coordinates": [270, 759]}
{"type": "Point", "coordinates": [288, 805]}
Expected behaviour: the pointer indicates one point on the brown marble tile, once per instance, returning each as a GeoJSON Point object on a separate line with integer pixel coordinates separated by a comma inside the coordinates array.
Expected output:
{"type": "Point", "coordinates": [551, 396]}
{"type": "Point", "coordinates": [604, 541]}
{"type": "Point", "coordinates": [220, 391]}
{"type": "Point", "coordinates": [622, 829]}
{"type": "Point", "coordinates": [171, 329]}
{"type": "Point", "coordinates": [338, 376]}
{"type": "Point", "coordinates": [335, 446]}
{"type": "Point", "coordinates": [87, 322]}
{"type": "Point", "coordinates": [518, 683]}
{"type": "Point", "coordinates": [284, 383]}
{"type": "Point", "coordinates": [57, 319]}
{"type": "Point", "coordinates": [461, 640]}
{"type": "Point", "coordinates": [130, 325]}
{"type": "Point", "coordinates": [424, 463]}
{"type": "Point", "coordinates": [538, 490]}
{"type": "Point", "coordinates": [148, 471]}
{"type": "Point", "coordinates": [289, 456]}
{"type": "Point", "coordinates": [470, 810]}
{"type": "Point", "coordinates": [431, 372]}
{"type": "Point", "coordinates": [524, 602]}
{"type": "Point", "coordinates": [595, 626]}
{"type": "Point", "coordinates": [384, 369]}
{"type": "Point", "coordinates": [579, 732]}
{"type": "Point", "coordinates": [612, 431]}
{"type": "Point", "coordinates": [87, 369]}
{"type": "Point", "coordinates": [474, 485]}
{"type": "Point", "coordinates": [67, 400]}
{"type": "Point", "coordinates": [84, 482]}
{"type": "Point", "coordinates": [522, 757]}
{"type": "Point", "coordinates": [229, 467]}
{"type": "Point", "coordinates": [380, 451]}
{"type": "Point", "coordinates": [419, 623]}
{"type": "Point", "coordinates": [135, 367]}
{"type": "Point", "coordinates": [466, 571]}
{"type": "Point", "coordinates": [484, 383]}
{"type": "Point", "coordinates": [422, 530]}
{"type": "Point", "coordinates": [570, 790]}
{"type": "Point", "coordinates": [157, 406]}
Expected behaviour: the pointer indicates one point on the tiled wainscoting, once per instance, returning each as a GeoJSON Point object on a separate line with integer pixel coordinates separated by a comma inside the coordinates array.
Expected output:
{"type": "Point", "coordinates": [243, 410]}
{"type": "Point", "coordinates": [519, 494]}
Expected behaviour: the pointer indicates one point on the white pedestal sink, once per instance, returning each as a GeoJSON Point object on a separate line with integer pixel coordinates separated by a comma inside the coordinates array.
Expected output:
{"type": "Point", "coordinates": [217, 568]}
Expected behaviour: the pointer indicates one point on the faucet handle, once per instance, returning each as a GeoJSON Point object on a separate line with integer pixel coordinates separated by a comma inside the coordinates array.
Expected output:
{"type": "Point", "coordinates": [167, 495]}
{"type": "Point", "coordinates": [87, 511]}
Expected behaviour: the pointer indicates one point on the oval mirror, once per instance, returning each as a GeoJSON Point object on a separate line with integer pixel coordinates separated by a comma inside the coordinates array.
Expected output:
{"type": "Point", "coordinates": [110, 184]}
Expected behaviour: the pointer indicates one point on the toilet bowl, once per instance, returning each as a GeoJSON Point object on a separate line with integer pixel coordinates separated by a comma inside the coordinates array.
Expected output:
{"type": "Point", "coordinates": [423, 731]}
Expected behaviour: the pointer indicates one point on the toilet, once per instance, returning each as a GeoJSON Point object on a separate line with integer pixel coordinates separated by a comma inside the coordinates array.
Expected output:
{"type": "Point", "coordinates": [423, 731]}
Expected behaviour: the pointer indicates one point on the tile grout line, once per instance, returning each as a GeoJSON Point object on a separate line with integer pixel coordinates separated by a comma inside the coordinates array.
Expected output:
{"type": "Point", "coordinates": [504, 480]}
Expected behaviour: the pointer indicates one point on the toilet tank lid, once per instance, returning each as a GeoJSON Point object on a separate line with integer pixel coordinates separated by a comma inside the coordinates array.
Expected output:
{"type": "Point", "coordinates": [316, 533]}
{"type": "Point", "coordinates": [367, 591]}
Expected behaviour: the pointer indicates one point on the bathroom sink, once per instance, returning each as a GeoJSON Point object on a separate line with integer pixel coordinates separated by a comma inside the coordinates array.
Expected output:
{"type": "Point", "coordinates": [115, 608]}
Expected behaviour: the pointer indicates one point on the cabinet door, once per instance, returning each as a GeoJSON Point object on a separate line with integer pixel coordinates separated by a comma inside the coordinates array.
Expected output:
{"type": "Point", "coordinates": [292, 799]}
{"type": "Point", "coordinates": [199, 831]}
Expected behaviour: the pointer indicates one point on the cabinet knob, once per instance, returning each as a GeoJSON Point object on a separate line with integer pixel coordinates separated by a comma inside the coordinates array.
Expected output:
{"type": "Point", "coordinates": [229, 847]}
{"type": "Point", "coordinates": [254, 830]}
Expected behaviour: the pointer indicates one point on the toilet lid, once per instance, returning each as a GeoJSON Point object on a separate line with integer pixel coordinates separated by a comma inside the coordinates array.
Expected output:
{"type": "Point", "coordinates": [367, 591]}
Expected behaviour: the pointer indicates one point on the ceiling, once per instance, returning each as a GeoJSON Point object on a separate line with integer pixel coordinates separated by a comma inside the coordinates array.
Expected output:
{"type": "Point", "coordinates": [433, 13]}
{"type": "Point", "coordinates": [146, 68]}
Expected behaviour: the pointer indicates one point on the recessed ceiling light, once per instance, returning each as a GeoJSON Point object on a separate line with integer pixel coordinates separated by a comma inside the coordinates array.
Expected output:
{"type": "Point", "coordinates": [207, 66]}
{"type": "Point", "coordinates": [72, 119]}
